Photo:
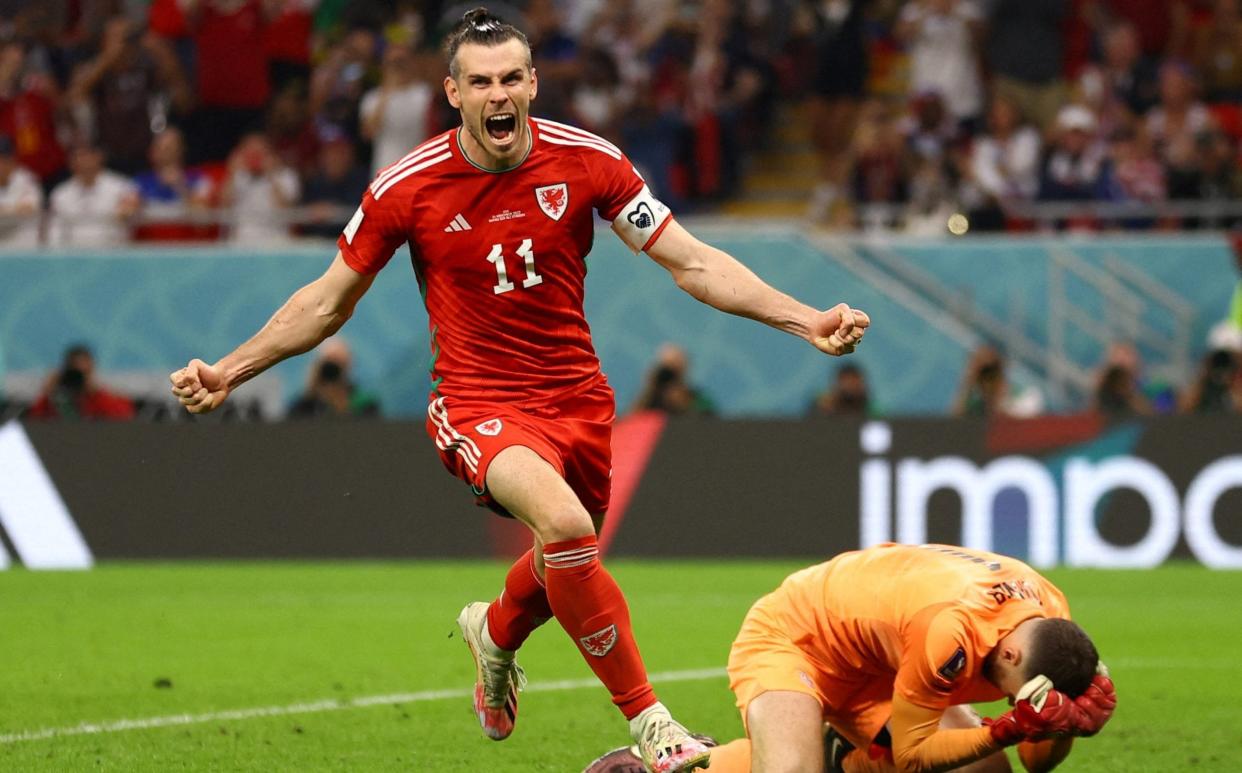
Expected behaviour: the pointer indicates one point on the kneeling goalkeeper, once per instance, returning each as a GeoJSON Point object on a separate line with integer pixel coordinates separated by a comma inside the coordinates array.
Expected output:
{"type": "Point", "coordinates": [888, 647]}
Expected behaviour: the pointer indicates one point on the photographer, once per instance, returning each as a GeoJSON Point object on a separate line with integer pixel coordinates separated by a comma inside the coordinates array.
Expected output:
{"type": "Point", "coordinates": [667, 389]}
{"type": "Point", "coordinates": [71, 392]}
{"type": "Point", "coordinates": [1218, 389]}
{"type": "Point", "coordinates": [984, 390]}
{"type": "Point", "coordinates": [330, 391]}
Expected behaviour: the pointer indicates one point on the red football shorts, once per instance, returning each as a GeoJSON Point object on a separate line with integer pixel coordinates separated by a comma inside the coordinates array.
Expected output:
{"type": "Point", "coordinates": [573, 435]}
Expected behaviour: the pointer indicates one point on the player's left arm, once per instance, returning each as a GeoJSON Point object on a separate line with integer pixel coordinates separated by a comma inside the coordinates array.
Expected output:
{"type": "Point", "coordinates": [716, 278]}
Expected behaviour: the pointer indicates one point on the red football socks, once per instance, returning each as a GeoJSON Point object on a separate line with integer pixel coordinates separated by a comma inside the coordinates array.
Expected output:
{"type": "Point", "coordinates": [590, 607]}
{"type": "Point", "coordinates": [522, 606]}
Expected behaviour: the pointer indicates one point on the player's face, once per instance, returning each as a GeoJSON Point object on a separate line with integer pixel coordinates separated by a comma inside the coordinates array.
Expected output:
{"type": "Point", "coordinates": [493, 91]}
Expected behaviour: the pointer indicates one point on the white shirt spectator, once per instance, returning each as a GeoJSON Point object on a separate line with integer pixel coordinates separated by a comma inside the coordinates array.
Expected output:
{"type": "Point", "coordinates": [405, 122]}
{"type": "Point", "coordinates": [1007, 169]}
{"type": "Point", "coordinates": [942, 55]}
{"type": "Point", "coordinates": [90, 216]}
{"type": "Point", "coordinates": [259, 205]}
{"type": "Point", "coordinates": [21, 199]}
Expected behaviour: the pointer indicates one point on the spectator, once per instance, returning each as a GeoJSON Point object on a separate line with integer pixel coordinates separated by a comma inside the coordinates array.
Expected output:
{"type": "Point", "coordinates": [1217, 51]}
{"type": "Point", "coordinates": [941, 36]}
{"type": "Point", "coordinates": [556, 55]}
{"type": "Point", "coordinates": [1072, 167]}
{"type": "Point", "coordinates": [336, 187]}
{"type": "Point", "coordinates": [848, 396]}
{"type": "Point", "coordinates": [341, 79]}
{"type": "Point", "coordinates": [1218, 386]}
{"type": "Point", "coordinates": [28, 114]}
{"type": "Point", "coordinates": [598, 99]}
{"type": "Point", "coordinates": [396, 116]}
{"type": "Point", "coordinates": [21, 200]}
{"type": "Point", "coordinates": [1004, 166]}
{"type": "Point", "coordinates": [838, 86]}
{"type": "Point", "coordinates": [881, 164]}
{"type": "Point", "coordinates": [1124, 79]}
{"type": "Point", "coordinates": [331, 391]}
{"type": "Point", "coordinates": [1162, 25]}
{"type": "Point", "coordinates": [124, 94]}
{"type": "Point", "coordinates": [232, 78]}
{"type": "Point", "coordinates": [1133, 173]}
{"type": "Point", "coordinates": [667, 389]}
{"type": "Point", "coordinates": [1024, 49]}
{"type": "Point", "coordinates": [72, 392]}
{"type": "Point", "coordinates": [292, 131]}
{"type": "Point", "coordinates": [984, 391]}
{"type": "Point", "coordinates": [934, 153]}
{"type": "Point", "coordinates": [1222, 168]}
{"type": "Point", "coordinates": [169, 191]}
{"type": "Point", "coordinates": [1179, 117]}
{"type": "Point", "coordinates": [287, 40]}
{"type": "Point", "coordinates": [91, 208]}
{"type": "Point", "coordinates": [259, 190]}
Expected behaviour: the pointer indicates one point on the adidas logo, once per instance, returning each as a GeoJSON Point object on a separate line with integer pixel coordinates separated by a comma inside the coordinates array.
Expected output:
{"type": "Point", "coordinates": [459, 224]}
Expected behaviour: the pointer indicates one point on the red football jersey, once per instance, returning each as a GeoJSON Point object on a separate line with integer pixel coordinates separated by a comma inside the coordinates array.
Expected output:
{"type": "Point", "coordinates": [500, 255]}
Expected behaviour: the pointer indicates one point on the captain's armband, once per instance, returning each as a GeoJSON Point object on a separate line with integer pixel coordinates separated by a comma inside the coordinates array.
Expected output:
{"type": "Point", "coordinates": [641, 220]}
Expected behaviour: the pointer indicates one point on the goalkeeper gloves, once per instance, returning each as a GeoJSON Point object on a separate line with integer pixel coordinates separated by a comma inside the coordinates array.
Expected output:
{"type": "Point", "coordinates": [1039, 712]}
{"type": "Point", "coordinates": [1094, 707]}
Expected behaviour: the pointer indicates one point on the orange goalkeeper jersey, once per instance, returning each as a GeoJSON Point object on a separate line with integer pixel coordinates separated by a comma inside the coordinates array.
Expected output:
{"type": "Point", "coordinates": [920, 617]}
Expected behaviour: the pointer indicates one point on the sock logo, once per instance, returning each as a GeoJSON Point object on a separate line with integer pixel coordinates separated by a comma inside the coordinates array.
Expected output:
{"type": "Point", "coordinates": [601, 642]}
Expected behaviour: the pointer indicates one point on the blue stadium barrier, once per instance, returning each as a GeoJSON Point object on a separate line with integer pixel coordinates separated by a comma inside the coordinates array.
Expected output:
{"type": "Point", "coordinates": [152, 308]}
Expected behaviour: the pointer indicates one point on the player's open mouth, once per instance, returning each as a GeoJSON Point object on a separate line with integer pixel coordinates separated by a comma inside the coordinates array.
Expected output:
{"type": "Point", "coordinates": [501, 127]}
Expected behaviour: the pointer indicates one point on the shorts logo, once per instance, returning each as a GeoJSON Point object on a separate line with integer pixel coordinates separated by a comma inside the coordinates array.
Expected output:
{"type": "Point", "coordinates": [806, 679]}
{"type": "Point", "coordinates": [601, 642]}
{"type": "Point", "coordinates": [553, 199]}
{"type": "Point", "coordinates": [953, 666]}
{"type": "Point", "coordinates": [491, 427]}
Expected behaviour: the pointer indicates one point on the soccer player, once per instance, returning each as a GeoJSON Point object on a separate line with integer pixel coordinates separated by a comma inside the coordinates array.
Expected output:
{"type": "Point", "coordinates": [499, 215]}
{"type": "Point", "coordinates": [888, 646]}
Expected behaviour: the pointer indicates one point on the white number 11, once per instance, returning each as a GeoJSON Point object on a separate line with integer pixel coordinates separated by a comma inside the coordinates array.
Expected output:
{"type": "Point", "coordinates": [497, 258]}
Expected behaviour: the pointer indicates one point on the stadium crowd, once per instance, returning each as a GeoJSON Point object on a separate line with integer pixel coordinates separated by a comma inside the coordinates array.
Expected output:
{"type": "Point", "coordinates": [171, 118]}
{"type": "Point", "coordinates": [207, 119]}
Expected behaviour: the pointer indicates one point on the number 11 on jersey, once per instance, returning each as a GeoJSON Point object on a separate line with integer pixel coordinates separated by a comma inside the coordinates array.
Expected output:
{"type": "Point", "coordinates": [497, 258]}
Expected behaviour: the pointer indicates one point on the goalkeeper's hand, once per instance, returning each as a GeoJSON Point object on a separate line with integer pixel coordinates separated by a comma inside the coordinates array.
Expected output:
{"type": "Point", "coordinates": [1039, 712]}
{"type": "Point", "coordinates": [1095, 706]}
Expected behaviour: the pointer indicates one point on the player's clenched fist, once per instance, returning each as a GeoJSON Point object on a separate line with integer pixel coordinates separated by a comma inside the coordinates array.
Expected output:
{"type": "Point", "coordinates": [839, 329]}
{"type": "Point", "coordinates": [199, 387]}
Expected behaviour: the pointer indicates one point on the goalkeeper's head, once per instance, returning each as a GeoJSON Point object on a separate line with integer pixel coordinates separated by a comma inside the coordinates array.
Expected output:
{"type": "Point", "coordinates": [1058, 649]}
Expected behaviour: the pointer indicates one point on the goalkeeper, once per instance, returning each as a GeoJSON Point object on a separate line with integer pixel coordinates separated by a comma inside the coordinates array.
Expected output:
{"type": "Point", "coordinates": [888, 647]}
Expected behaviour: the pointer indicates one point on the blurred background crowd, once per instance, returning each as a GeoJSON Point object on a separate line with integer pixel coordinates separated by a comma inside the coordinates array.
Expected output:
{"type": "Point", "coordinates": [261, 120]}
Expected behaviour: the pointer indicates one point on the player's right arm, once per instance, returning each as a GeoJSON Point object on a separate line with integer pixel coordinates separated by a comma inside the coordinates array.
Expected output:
{"type": "Point", "coordinates": [309, 316]}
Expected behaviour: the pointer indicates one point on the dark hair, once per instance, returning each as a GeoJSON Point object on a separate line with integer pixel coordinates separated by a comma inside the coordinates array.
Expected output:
{"type": "Point", "coordinates": [483, 28]}
{"type": "Point", "coordinates": [1062, 651]}
{"type": "Point", "coordinates": [75, 350]}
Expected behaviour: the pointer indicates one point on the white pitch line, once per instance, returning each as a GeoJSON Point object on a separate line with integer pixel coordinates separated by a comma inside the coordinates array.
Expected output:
{"type": "Point", "coordinates": [316, 707]}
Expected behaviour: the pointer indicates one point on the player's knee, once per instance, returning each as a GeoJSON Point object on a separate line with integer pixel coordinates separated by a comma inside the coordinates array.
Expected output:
{"type": "Point", "coordinates": [563, 524]}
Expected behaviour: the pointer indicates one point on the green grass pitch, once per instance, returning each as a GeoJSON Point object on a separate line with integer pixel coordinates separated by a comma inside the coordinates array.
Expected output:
{"type": "Point", "coordinates": [312, 644]}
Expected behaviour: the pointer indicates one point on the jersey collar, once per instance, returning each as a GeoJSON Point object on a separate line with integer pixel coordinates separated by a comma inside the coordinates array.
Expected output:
{"type": "Point", "coordinates": [530, 127]}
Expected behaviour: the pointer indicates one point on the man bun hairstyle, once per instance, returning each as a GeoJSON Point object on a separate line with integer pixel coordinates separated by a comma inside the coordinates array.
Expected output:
{"type": "Point", "coordinates": [1062, 651]}
{"type": "Point", "coordinates": [481, 27]}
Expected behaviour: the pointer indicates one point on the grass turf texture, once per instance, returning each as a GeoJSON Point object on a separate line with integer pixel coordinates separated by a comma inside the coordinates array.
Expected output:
{"type": "Point", "coordinates": [135, 641]}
